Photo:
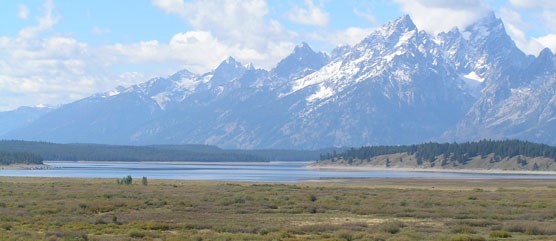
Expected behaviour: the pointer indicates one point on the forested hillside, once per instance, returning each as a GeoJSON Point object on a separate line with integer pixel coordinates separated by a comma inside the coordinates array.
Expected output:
{"type": "Point", "coordinates": [193, 153]}
{"type": "Point", "coordinates": [8, 158]}
{"type": "Point", "coordinates": [485, 154]}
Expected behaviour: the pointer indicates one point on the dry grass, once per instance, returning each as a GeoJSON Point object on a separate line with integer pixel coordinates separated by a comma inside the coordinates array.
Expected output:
{"type": "Point", "coordinates": [366, 209]}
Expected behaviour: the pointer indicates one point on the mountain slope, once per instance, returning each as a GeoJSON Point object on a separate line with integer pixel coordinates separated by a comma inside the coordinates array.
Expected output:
{"type": "Point", "coordinates": [20, 117]}
{"type": "Point", "coordinates": [232, 106]}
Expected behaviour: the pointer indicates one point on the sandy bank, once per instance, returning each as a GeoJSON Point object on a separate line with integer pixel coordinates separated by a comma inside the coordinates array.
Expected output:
{"type": "Point", "coordinates": [478, 171]}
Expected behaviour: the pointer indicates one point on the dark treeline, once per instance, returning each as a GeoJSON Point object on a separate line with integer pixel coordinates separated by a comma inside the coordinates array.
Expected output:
{"type": "Point", "coordinates": [193, 153]}
{"type": "Point", "coordinates": [461, 152]}
{"type": "Point", "coordinates": [94, 152]}
{"type": "Point", "coordinates": [8, 158]}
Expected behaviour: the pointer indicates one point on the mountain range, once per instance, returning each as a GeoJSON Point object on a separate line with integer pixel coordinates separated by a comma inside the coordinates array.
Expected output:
{"type": "Point", "coordinates": [399, 85]}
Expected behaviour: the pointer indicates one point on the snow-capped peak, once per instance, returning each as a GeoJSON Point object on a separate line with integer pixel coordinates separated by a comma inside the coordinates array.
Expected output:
{"type": "Point", "coordinates": [184, 73]}
{"type": "Point", "coordinates": [227, 71]}
{"type": "Point", "coordinates": [339, 51]}
{"type": "Point", "coordinates": [302, 46]}
{"type": "Point", "coordinates": [301, 62]}
{"type": "Point", "coordinates": [402, 24]}
{"type": "Point", "coordinates": [396, 33]}
{"type": "Point", "coordinates": [229, 63]}
{"type": "Point", "coordinates": [545, 62]}
{"type": "Point", "coordinates": [249, 66]}
{"type": "Point", "coordinates": [483, 29]}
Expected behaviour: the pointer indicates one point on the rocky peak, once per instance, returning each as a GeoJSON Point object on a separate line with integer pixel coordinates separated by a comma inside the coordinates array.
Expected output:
{"type": "Point", "coordinates": [182, 74]}
{"type": "Point", "coordinates": [302, 61]}
{"type": "Point", "coordinates": [544, 63]}
{"type": "Point", "coordinates": [227, 71]}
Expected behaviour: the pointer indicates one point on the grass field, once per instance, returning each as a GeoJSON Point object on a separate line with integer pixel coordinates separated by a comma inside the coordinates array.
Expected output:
{"type": "Point", "coordinates": [370, 209]}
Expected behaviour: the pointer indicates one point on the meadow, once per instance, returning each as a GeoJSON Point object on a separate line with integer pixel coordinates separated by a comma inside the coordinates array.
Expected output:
{"type": "Point", "coordinates": [358, 209]}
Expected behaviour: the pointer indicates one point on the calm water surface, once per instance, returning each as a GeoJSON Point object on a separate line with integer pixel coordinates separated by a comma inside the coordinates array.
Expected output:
{"type": "Point", "coordinates": [257, 172]}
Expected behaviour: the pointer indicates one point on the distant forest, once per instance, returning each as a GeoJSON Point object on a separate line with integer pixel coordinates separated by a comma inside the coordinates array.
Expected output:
{"type": "Point", "coordinates": [460, 152]}
{"type": "Point", "coordinates": [163, 153]}
{"type": "Point", "coordinates": [8, 158]}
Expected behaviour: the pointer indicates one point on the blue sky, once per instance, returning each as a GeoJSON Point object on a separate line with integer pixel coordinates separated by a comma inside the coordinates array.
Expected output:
{"type": "Point", "coordinates": [56, 51]}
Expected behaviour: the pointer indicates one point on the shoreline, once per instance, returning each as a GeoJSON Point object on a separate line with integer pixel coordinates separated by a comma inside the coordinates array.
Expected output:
{"type": "Point", "coordinates": [185, 162]}
{"type": "Point", "coordinates": [25, 167]}
{"type": "Point", "coordinates": [433, 170]}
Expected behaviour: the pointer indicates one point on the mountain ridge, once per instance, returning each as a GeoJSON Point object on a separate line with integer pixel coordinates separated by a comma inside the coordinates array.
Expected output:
{"type": "Point", "coordinates": [399, 85]}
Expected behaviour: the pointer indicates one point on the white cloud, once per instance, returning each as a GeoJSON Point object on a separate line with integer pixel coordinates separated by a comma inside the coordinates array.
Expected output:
{"type": "Point", "coordinates": [170, 6]}
{"type": "Point", "coordinates": [514, 24]}
{"type": "Point", "coordinates": [100, 31]}
{"type": "Point", "coordinates": [37, 68]}
{"type": "Point", "coordinates": [198, 51]}
{"type": "Point", "coordinates": [543, 22]}
{"type": "Point", "coordinates": [367, 15]}
{"type": "Point", "coordinates": [544, 9]}
{"type": "Point", "coordinates": [45, 22]}
{"type": "Point", "coordinates": [349, 36]}
{"type": "Point", "coordinates": [312, 15]}
{"type": "Point", "coordinates": [441, 15]}
{"type": "Point", "coordinates": [241, 28]}
{"type": "Point", "coordinates": [23, 11]}
{"type": "Point", "coordinates": [548, 41]}
{"type": "Point", "coordinates": [528, 4]}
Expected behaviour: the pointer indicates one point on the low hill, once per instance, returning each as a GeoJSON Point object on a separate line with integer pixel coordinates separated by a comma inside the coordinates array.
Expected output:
{"type": "Point", "coordinates": [508, 155]}
{"type": "Point", "coordinates": [191, 153]}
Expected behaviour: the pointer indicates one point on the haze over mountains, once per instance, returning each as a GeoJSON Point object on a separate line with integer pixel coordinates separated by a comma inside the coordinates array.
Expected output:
{"type": "Point", "coordinates": [399, 85]}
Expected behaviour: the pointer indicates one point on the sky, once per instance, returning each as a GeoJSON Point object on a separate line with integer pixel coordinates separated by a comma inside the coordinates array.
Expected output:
{"type": "Point", "coordinates": [53, 52]}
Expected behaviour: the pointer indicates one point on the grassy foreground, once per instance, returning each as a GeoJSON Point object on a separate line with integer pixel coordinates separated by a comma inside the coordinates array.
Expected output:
{"type": "Point", "coordinates": [371, 209]}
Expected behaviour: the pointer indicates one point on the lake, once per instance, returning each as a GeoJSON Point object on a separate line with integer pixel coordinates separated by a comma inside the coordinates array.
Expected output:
{"type": "Point", "coordinates": [256, 172]}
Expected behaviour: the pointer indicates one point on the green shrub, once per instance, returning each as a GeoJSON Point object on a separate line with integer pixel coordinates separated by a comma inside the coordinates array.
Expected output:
{"type": "Point", "coordinates": [467, 238]}
{"type": "Point", "coordinates": [345, 235]}
{"type": "Point", "coordinates": [125, 180]}
{"type": "Point", "coordinates": [69, 236]}
{"type": "Point", "coordinates": [500, 234]}
{"type": "Point", "coordinates": [136, 234]}
{"type": "Point", "coordinates": [392, 227]}
{"type": "Point", "coordinates": [313, 198]}
{"type": "Point", "coordinates": [463, 229]}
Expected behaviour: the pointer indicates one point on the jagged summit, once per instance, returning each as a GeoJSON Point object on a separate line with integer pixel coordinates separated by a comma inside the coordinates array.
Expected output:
{"type": "Point", "coordinates": [403, 23]}
{"type": "Point", "coordinates": [249, 66]}
{"type": "Point", "coordinates": [184, 73]}
{"type": "Point", "coordinates": [488, 30]}
{"type": "Point", "coordinates": [303, 46]}
{"type": "Point", "coordinates": [302, 61]}
{"type": "Point", "coordinates": [227, 71]}
{"type": "Point", "coordinates": [543, 64]}
{"type": "Point", "coordinates": [393, 34]}
{"type": "Point", "coordinates": [229, 64]}
{"type": "Point", "coordinates": [546, 53]}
